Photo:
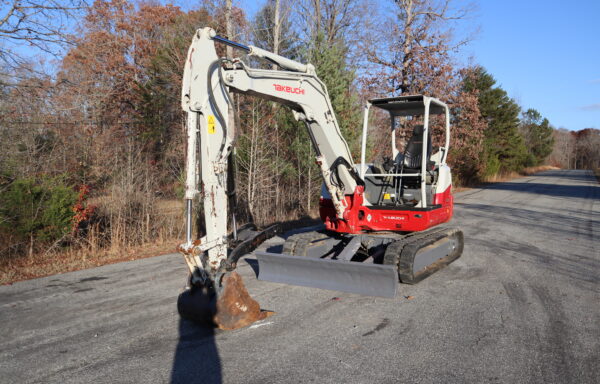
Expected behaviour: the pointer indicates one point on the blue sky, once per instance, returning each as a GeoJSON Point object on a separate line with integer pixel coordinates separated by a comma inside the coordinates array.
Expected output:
{"type": "Point", "coordinates": [545, 54]}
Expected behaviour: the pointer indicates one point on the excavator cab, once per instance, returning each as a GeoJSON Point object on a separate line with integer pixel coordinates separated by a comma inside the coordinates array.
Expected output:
{"type": "Point", "coordinates": [397, 180]}
{"type": "Point", "coordinates": [390, 231]}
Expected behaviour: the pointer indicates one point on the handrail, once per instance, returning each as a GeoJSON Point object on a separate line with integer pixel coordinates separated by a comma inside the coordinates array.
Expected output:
{"type": "Point", "coordinates": [392, 174]}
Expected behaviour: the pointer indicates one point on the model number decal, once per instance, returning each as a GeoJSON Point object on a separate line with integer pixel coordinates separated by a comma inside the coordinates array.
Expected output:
{"type": "Point", "coordinates": [394, 217]}
{"type": "Point", "coordinates": [288, 89]}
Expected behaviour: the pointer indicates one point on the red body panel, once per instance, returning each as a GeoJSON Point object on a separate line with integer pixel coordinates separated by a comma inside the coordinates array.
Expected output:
{"type": "Point", "coordinates": [359, 218]}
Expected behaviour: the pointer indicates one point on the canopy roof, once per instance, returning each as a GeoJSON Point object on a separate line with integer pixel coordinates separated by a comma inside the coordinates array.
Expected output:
{"type": "Point", "coordinates": [409, 105]}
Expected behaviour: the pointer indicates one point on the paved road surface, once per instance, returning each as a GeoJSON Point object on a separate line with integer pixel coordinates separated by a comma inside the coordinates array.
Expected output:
{"type": "Point", "coordinates": [521, 306]}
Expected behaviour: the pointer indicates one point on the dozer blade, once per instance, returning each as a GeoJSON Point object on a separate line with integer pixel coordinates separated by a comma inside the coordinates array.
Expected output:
{"type": "Point", "coordinates": [231, 308]}
{"type": "Point", "coordinates": [336, 275]}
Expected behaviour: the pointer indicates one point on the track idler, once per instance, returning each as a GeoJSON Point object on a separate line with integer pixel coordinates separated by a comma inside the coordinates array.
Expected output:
{"type": "Point", "coordinates": [227, 307]}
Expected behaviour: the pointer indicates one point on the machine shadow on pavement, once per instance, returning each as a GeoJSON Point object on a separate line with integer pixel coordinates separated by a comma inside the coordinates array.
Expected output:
{"type": "Point", "coordinates": [253, 263]}
{"type": "Point", "coordinates": [196, 356]}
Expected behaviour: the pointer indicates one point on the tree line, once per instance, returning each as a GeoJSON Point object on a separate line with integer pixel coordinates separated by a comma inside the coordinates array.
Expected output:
{"type": "Point", "coordinates": [92, 150]}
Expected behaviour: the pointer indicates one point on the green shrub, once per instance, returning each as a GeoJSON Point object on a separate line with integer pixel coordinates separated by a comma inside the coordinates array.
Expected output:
{"type": "Point", "coordinates": [42, 208]}
{"type": "Point", "coordinates": [530, 160]}
{"type": "Point", "coordinates": [493, 165]}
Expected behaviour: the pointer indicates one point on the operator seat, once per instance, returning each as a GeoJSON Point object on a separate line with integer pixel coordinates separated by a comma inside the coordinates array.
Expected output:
{"type": "Point", "coordinates": [413, 153]}
{"type": "Point", "coordinates": [410, 162]}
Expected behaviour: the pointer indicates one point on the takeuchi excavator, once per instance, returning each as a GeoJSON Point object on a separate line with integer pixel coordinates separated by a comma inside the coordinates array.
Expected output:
{"type": "Point", "coordinates": [381, 219]}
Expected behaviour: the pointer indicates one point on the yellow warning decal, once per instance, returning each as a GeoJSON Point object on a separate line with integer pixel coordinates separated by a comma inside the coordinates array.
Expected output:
{"type": "Point", "coordinates": [211, 123]}
{"type": "Point", "coordinates": [386, 196]}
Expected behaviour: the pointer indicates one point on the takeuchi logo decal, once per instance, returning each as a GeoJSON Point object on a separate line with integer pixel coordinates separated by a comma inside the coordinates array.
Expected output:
{"type": "Point", "coordinates": [285, 88]}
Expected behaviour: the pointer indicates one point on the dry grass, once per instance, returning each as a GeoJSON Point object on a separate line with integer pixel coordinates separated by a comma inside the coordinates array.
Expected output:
{"type": "Point", "coordinates": [158, 234]}
{"type": "Point", "coordinates": [502, 177]}
{"type": "Point", "coordinates": [460, 189]}
{"type": "Point", "coordinates": [506, 176]}
{"type": "Point", "coordinates": [168, 216]}
{"type": "Point", "coordinates": [24, 268]}
{"type": "Point", "coordinates": [93, 255]}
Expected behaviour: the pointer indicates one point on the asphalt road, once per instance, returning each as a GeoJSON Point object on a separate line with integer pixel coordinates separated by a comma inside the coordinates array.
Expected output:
{"type": "Point", "coordinates": [522, 305]}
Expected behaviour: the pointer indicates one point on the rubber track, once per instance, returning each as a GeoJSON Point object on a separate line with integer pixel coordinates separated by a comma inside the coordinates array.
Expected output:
{"type": "Point", "coordinates": [297, 245]}
{"type": "Point", "coordinates": [401, 253]}
{"type": "Point", "coordinates": [395, 248]}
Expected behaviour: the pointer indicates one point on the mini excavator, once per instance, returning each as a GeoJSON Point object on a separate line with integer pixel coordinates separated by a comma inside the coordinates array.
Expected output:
{"type": "Point", "coordinates": [381, 220]}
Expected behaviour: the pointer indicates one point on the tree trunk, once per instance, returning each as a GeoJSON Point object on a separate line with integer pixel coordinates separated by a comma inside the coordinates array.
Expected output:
{"type": "Point", "coordinates": [317, 19]}
{"type": "Point", "coordinates": [407, 45]}
{"type": "Point", "coordinates": [276, 31]}
{"type": "Point", "coordinates": [276, 38]}
{"type": "Point", "coordinates": [228, 27]}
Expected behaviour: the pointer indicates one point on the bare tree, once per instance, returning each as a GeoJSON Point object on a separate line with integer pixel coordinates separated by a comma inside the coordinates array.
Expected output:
{"type": "Point", "coordinates": [576, 149]}
{"type": "Point", "coordinates": [587, 154]}
{"type": "Point", "coordinates": [338, 20]}
{"type": "Point", "coordinates": [416, 31]}
{"type": "Point", "coordinates": [563, 150]}
{"type": "Point", "coordinates": [228, 26]}
{"type": "Point", "coordinates": [276, 29]}
{"type": "Point", "coordinates": [43, 25]}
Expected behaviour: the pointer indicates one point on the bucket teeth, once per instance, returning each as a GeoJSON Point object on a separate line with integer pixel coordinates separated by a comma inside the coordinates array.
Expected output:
{"type": "Point", "coordinates": [230, 309]}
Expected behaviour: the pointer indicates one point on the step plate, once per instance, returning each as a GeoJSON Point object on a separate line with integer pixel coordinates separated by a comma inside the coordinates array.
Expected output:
{"type": "Point", "coordinates": [335, 275]}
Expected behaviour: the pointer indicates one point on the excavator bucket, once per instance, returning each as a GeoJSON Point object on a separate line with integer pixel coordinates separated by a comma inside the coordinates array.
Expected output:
{"type": "Point", "coordinates": [226, 303]}
{"type": "Point", "coordinates": [229, 307]}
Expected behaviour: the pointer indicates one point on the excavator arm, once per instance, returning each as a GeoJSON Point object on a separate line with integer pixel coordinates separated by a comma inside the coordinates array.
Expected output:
{"type": "Point", "coordinates": [307, 96]}
{"type": "Point", "coordinates": [208, 82]}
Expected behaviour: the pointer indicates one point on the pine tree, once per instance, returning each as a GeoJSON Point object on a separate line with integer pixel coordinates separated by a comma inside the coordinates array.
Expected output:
{"type": "Point", "coordinates": [332, 69]}
{"type": "Point", "coordinates": [537, 133]}
{"type": "Point", "coordinates": [504, 146]}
